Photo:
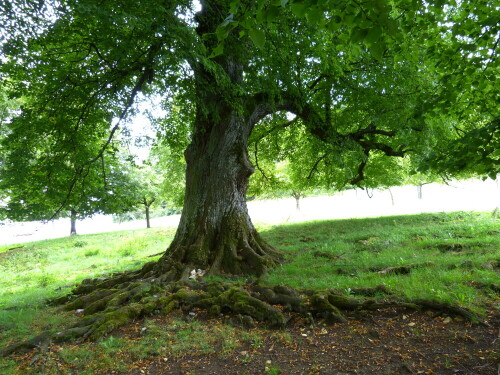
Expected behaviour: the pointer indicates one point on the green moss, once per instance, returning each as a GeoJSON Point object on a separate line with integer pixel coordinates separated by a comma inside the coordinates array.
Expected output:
{"type": "Point", "coordinates": [117, 318]}
{"type": "Point", "coordinates": [182, 294]}
{"type": "Point", "coordinates": [215, 310]}
{"type": "Point", "coordinates": [169, 307]}
{"type": "Point", "coordinates": [239, 301]}
{"type": "Point", "coordinates": [322, 306]}
{"type": "Point", "coordinates": [215, 288]}
{"type": "Point", "coordinates": [344, 302]}
{"type": "Point", "coordinates": [84, 301]}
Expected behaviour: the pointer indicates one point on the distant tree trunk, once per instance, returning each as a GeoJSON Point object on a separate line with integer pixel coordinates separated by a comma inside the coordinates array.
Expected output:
{"type": "Point", "coordinates": [73, 222]}
{"type": "Point", "coordinates": [148, 224]}
{"type": "Point", "coordinates": [419, 191]}
{"type": "Point", "coordinates": [392, 196]}
{"type": "Point", "coordinates": [147, 209]}
{"type": "Point", "coordinates": [297, 195]}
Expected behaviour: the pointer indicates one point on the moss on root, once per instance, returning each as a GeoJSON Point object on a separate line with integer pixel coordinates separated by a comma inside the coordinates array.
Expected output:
{"type": "Point", "coordinates": [123, 298]}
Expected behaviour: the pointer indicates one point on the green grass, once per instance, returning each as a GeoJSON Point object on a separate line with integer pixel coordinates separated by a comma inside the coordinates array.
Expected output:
{"type": "Point", "coordinates": [46, 269]}
{"type": "Point", "coordinates": [340, 254]}
{"type": "Point", "coordinates": [459, 246]}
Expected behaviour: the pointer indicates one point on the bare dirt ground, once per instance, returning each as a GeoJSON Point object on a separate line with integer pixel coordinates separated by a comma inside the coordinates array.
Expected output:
{"type": "Point", "coordinates": [384, 342]}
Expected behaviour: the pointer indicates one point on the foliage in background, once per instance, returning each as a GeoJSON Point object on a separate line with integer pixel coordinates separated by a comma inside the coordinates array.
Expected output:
{"type": "Point", "coordinates": [155, 190]}
{"type": "Point", "coordinates": [35, 193]}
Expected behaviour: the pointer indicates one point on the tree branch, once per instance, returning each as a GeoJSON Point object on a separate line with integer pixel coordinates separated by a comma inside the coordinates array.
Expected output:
{"type": "Point", "coordinates": [361, 170]}
{"type": "Point", "coordinates": [323, 128]}
{"type": "Point", "coordinates": [142, 79]}
{"type": "Point", "coordinates": [315, 166]}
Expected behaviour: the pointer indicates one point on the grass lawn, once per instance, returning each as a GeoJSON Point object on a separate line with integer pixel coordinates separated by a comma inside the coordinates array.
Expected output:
{"type": "Point", "coordinates": [450, 257]}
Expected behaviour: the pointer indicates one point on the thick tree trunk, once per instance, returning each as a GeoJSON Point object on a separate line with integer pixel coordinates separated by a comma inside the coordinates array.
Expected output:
{"type": "Point", "coordinates": [73, 222]}
{"type": "Point", "coordinates": [215, 232]}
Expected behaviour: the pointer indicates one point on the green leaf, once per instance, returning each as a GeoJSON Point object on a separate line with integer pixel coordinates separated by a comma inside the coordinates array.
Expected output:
{"type": "Point", "coordinates": [228, 20]}
{"type": "Point", "coordinates": [314, 15]}
{"type": "Point", "coordinates": [356, 50]}
{"type": "Point", "coordinates": [377, 50]}
{"type": "Point", "coordinates": [333, 25]}
{"type": "Point", "coordinates": [373, 35]}
{"type": "Point", "coordinates": [272, 13]}
{"type": "Point", "coordinates": [221, 33]}
{"type": "Point", "coordinates": [358, 35]}
{"type": "Point", "coordinates": [233, 7]}
{"type": "Point", "coordinates": [219, 50]}
{"type": "Point", "coordinates": [258, 37]}
{"type": "Point", "coordinates": [299, 9]}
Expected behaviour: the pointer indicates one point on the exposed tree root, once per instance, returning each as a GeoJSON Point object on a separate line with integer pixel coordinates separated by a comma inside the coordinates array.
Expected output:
{"type": "Point", "coordinates": [402, 270]}
{"type": "Point", "coordinates": [327, 255]}
{"type": "Point", "coordinates": [490, 286]}
{"type": "Point", "coordinates": [110, 303]}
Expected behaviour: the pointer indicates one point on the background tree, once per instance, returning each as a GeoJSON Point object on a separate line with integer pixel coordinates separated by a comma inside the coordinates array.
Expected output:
{"type": "Point", "coordinates": [174, 132]}
{"type": "Point", "coordinates": [157, 186]}
{"type": "Point", "coordinates": [277, 173]}
{"type": "Point", "coordinates": [160, 180]}
{"type": "Point", "coordinates": [105, 189]}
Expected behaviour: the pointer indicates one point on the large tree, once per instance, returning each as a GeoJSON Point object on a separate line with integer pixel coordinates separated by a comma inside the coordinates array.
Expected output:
{"type": "Point", "coordinates": [367, 80]}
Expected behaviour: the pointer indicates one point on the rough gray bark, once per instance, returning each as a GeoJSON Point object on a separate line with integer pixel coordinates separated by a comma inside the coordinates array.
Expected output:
{"type": "Point", "coordinates": [215, 232]}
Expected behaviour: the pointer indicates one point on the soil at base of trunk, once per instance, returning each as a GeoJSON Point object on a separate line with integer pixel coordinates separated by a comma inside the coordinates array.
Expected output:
{"type": "Point", "coordinates": [385, 341]}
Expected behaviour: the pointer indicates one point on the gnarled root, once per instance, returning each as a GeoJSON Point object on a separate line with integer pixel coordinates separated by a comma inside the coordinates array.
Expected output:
{"type": "Point", "coordinates": [111, 303]}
